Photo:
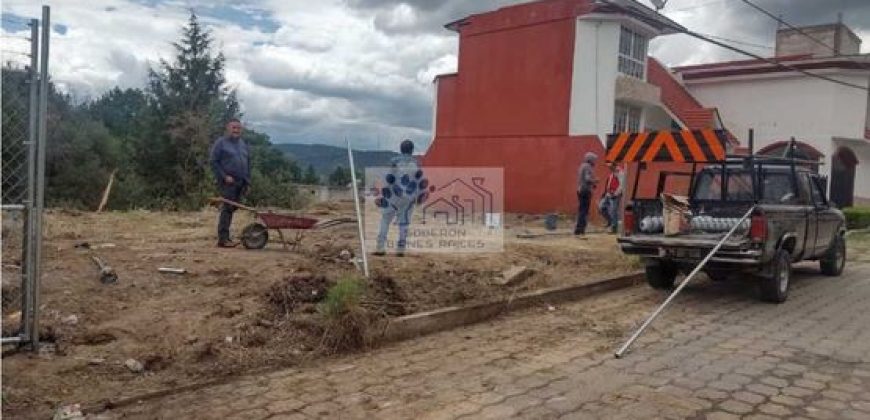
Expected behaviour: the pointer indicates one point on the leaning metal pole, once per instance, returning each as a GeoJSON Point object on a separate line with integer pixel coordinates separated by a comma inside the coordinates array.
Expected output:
{"type": "Point", "coordinates": [359, 220]}
{"type": "Point", "coordinates": [658, 311]}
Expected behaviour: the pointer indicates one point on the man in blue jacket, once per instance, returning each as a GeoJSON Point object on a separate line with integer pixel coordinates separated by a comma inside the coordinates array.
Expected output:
{"type": "Point", "coordinates": [404, 172]}
{"type": "Point", "coordinates": [231, 164]}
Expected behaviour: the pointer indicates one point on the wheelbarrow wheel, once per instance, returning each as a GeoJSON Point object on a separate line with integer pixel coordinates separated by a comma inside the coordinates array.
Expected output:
{"type": "Point", "coordinates": [255, 236]}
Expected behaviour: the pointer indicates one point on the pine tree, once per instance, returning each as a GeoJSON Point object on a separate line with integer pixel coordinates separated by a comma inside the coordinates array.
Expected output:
{"type": "Point", "coordinates": [190, 103]}
{"type": "Point", "coordinates": [340, 177]}
{"type": "Point", "coordinates": [310, 176]}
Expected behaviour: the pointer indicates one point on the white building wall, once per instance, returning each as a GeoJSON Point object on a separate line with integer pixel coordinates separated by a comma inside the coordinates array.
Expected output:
{"type": "Point", "coordinates": [596, 52]}
{"type": "Point", "coordinates": [812, 110]}
{"type": "Point", "coordinates": [777, 109]}
{"type": "Point", "coordinates": [862, 174]}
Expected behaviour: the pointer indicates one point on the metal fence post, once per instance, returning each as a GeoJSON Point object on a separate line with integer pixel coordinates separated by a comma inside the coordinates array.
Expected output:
{"type": "Point", "coordinates": [40, 169]}
{"type": "Point", "coordinates": [27, 266]}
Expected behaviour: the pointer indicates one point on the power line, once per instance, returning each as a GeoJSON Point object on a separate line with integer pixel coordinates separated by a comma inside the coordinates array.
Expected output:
{"type": "Point", "coordinates": [790, 26]}
{"type": "Point", "coordinates": [686, 31]}
{"type": "Point", "coordinates": [735, 41]}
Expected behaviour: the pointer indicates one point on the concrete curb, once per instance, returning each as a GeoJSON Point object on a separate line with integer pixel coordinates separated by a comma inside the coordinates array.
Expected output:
{"type": "Point", "coordinates": [423, 323]}
{"type": "Point", "coordinates": [417, 325]}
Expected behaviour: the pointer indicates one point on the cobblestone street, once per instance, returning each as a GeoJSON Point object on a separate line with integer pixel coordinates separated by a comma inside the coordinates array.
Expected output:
{"type": "Point", "coordinates": [717, 353]}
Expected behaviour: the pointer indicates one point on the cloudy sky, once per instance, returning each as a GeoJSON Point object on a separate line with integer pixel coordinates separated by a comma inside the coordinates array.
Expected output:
{"type": "Point", "coordinates": [320, 71]}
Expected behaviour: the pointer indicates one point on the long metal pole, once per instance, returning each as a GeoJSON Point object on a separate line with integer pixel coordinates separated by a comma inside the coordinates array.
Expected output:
{"type": "Point", "coordinates": [40, 169]}
{"type": "Point", "coordinates": [359, 219]}
{"type": "Point", "coordinates": [655, 314]}
{"type": "Point", "coordinates": [29, 260]}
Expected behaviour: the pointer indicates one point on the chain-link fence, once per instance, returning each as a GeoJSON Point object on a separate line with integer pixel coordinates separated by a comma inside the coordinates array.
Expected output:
{"type": "Point", "coordinates": [15, 135]}
{"type": "Point", "coordinates": [23, 134]}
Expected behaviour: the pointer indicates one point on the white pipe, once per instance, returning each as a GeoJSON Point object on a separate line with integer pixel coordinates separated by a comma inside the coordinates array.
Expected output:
{"type": "Point", "coordinates": [631, 340]}
{"type": "Point", "coordinates": [359, 219]}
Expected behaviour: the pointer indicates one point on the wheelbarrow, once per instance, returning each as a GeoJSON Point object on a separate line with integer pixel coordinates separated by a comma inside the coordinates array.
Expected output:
{"type": "Point", "coordinates": [256, 235]}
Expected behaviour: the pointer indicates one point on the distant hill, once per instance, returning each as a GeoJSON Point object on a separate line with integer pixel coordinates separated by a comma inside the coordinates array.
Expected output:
{"type": "Point", "coordinates": [326, 158]}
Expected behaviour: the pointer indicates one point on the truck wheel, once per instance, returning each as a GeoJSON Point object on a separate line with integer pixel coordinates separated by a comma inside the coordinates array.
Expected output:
{"type": "Point", "coordinates": [834, 260]}
{"type": "Point", "coordinates": [775, 288]}
{"type": "Point", "coordinates": [661, 274]}
{"type": "Point", "coordinates": [255, 236]}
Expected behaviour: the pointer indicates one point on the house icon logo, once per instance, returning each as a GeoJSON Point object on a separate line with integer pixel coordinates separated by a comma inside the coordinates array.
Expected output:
{"type": "Point", "coordinates": [461, 201]}
{"type": "Point", "coordinates": [435, 209]}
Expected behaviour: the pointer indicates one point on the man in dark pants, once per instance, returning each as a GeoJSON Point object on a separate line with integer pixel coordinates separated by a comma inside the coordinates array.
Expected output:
{"type": "Point", "coordinates": [585, 184]}
{"type": "Point", "coordinates": [231, 164]}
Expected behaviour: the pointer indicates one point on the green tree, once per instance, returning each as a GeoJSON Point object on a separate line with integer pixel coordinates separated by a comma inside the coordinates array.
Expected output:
{"type": "Point", "coordinates": [157, 139]}
{"type": "Point", "coordinates": [310, 177]}
{"type": "Point", "coordinates": [340, 177]}
{"type": "Point", "coordinates": [121, 111]}
{"type": "Point", "coordinates": [189, 103]}
{"type": "Point", "coordinates": [127, 116]}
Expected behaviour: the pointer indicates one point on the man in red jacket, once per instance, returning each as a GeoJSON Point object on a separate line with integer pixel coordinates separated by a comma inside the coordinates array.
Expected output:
{"type": "Point", "coordinates": [610, 201]}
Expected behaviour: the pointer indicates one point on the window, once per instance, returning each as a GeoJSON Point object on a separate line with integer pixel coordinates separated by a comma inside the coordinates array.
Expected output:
{"type": "Point", "coordinates": [709, 185]}
{"type": "Point", "coordinates": [626, 118]}
{"type": "Point", "coordinates": [778, 188]}
{"type": "Point", "coordinates": [740, 186]}
{"type": "Point", "coordinates": [632, 53]}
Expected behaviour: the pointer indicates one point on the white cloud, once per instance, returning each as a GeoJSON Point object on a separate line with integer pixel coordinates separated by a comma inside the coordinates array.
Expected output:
{"type": "Point", "coordinates": [318, 71]}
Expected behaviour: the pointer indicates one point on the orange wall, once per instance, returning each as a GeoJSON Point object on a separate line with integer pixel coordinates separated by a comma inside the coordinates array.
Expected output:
{"type": "Point", "coordinates": [508, 107]}
{"type": "Point", "coordinates": [540, 173]}
{"type": "Point", "coordinates": [445, 113]}
{"type": "Point", "coordinates": [515, 80]}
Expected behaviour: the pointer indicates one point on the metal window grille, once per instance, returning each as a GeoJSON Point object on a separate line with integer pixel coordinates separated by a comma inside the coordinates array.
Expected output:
{"type": "Point", "coordinates": [632, 53]}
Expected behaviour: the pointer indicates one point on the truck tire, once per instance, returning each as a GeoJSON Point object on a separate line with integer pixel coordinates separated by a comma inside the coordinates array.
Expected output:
{"type": "Point", "coordinates": [661, 274]}
{"type": "Point", "coordinates": [775, 287]}
{"type": "Point", "coordinates": [833, 262]}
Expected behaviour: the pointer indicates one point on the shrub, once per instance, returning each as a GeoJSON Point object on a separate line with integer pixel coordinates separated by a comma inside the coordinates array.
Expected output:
{"type": "Point", "coordinates": [342, 298]}
{"type": "Point", "coordinates": [347, 324]}
{"type": "Point", "coordinates": [857, 217]}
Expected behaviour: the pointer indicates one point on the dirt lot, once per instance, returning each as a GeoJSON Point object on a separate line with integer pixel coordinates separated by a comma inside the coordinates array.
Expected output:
{"type": "Point", "coordinates": [235, 310]}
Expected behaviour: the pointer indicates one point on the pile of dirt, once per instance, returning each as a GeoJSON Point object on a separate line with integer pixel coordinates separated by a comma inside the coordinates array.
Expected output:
{"type": "Point", "coordinates": [385, 294]}
{"type": "Point", "coordinates": [286, 295]}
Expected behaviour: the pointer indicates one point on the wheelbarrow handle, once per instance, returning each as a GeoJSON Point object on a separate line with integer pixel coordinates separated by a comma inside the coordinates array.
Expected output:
{"type": "Point", "coordinates": [326, 224]}
{"type": "Point", "coordinates": [214, 200]}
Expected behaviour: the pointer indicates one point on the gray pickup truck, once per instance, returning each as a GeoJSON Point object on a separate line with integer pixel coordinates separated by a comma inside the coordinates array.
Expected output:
{"type": "Point", "coordinates": [792, 221]}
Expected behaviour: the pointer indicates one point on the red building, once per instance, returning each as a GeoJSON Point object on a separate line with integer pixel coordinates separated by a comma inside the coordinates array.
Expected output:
{"type": "Point", "coordinates": [542, 83]}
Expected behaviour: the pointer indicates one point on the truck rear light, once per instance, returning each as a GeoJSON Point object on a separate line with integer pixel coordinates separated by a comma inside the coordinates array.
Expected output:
{"type": "Point", "coordinates": [758, 228]}
{"type": "Point", "coordinates": [628, 222]}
